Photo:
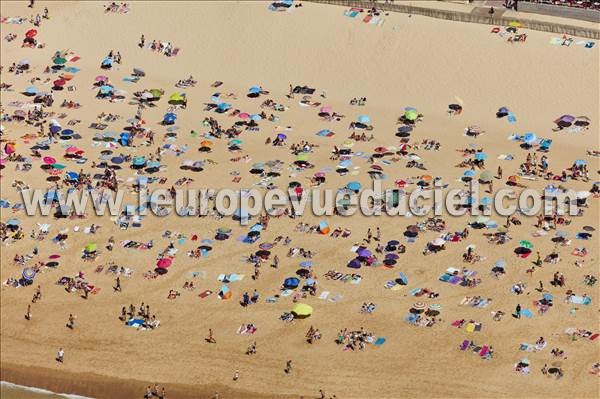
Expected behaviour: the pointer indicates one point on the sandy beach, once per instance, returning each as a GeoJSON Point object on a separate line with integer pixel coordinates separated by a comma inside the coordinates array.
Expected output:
{"type": "Point", "coordinates": [405, 61]}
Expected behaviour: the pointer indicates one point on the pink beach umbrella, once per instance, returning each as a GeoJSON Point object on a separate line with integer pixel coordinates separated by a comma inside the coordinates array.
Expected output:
{"type": "Point", "coordinates": [244, 115]}
{"type": "Point", "coordinates": [49, 160]}
{"type": "Point", "coordinates": [163, 263]}
{"type": "Point", "coordinates": [101, 78]}
{"type": "Point", "coordinates": [326, 110]}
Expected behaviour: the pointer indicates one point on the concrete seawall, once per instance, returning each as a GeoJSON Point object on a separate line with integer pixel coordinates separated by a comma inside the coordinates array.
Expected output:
{"type": "Point", "coordinates": [543, 26]}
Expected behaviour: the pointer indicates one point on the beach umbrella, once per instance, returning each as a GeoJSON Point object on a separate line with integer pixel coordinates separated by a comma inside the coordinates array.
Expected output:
{"type": "Point", "coordinates": [526, 244]}
{"type": "Point", "coordinates": [254, 90]}
{"type": "Point", "coordinates": [49, 160]}
{"type": "Point", "coordinates": [469, 173]}
{"type": "Point", "coordinates": [90, 247]}
{"type": "Point", "coordinates": [28, 273]}
{"type": "Point", "coordinates": [31, 90]}
{"type": "Point", "coordinates": [580, 162]}
{"type": "Point", "coordinates": [567, 118]}
{"type": "Point", "coordinates": [438, 242]}
{"type": "Point", "coordinates": [59, 60]}
{"type": "Point", "coordinates": [164, 263]}
{"type": "Point", "coordinates": [435, 306]}
{"type": "Point", "coordinates": [303, 156]}
{"type": "Point", "coordinates": [291, 282]}
{"type": "Point", "coordinates": [326, 110]}
{"type": "Point", "coordinates": [419, 305]}
{"type": "Point", "coordinates": [501, 263]}
{"type": "Point", "coordinates": [31, 33]}
{"type": "Point", "coordinates": [529, 137]}
{"type": "Point", "coordinates": [59, 82]}
{"type": "Point", "coordinates": [582, 194]}
{"type": "Point", "coordinates": [353, 185]}
{"type": "Point", "coordinates": [281, 136]}
{"type": "Point", "coordinates": [363, 252]}
{"type": "Point", "coordinates": [255, 117]}
{"type": "Point", "coordinates": [481, 156]}
{"type": "Point", "coordinates": [306, 264]}
{"type": "Point", "coordinates": [224, 230]}
{"type": "Point", "coordinates": [176, 97]}
{"type": "Point", "coordinates": [13, 222]}
{"type": "Point", "coordinates": [157, 93]}
{"type": "Point", "coordinates": [364, 119]}
{"type": "Point", "coordinates": [486, 176]}
{"type": "Point", "coordinates": [170, 117]}
{"type": "Point", "coordinates": [105, 89]}
{"type": "Point", "coordinates": [302, 310]}
{"type": "Point", "coordinates": [411, 115]}
{"type": "Point", "coordinates": [101, 78]}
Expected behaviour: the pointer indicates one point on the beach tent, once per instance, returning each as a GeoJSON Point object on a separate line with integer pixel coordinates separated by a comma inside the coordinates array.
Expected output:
{"type": "Point", "coordinates": [324, 227]}
{"type": "Point", "coordinates": [225, 292]}
{"type": "Point", "coordinates": [302, 310]}
{"type": "Point", "coordinates": [90, 247]}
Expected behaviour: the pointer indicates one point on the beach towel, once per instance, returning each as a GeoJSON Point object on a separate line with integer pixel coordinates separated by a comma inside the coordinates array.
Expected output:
{"type": "Point", "coordinates": [336, 298]}
{"type": "Point", "coordinates": [367, 18]}
{"type": "Point", "coordinates": [324, 295]}
{"type": "Point", "coordinates": [556, 41]}
{"type": "Point", "coordinates": [484, 351]}
{"type": "Point", "coordinates": [379, 341]}
{"type": "Point", "coordinates": [527, 313]}
{"type": "Point", "coordinates": [135, 322]}
{"type": "Point", "coordinates": [75, 58]}
{"type": "Point", "coordinates": [205, 293]}
{"type": "Point", "coordinates": [464, 345]}
{"type": "Point", "coordinates": [579, 300]}
{"type": "Point", "coordinates": [470, 327]}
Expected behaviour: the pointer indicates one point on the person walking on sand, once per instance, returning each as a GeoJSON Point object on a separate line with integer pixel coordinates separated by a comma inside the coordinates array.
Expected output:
{"type": "Point", "coordinates": [60, 357]}
{"type": "Point", "coordinates": [71, 322]}
{"type": "Point", "coordinates": [236, 375]}
{"type": "Point", "coordinates": [211, 339]}
{"type": "Point", "coordinates": [288, 367]}
{"type": "Point", "coordinates": [28, 314]}
{"type": "Point", "coordinates": [518, 311]}
{"type": "Point", "coordinates": [499, 172]}
{"type": "Point", "coordinates": [118, 284]}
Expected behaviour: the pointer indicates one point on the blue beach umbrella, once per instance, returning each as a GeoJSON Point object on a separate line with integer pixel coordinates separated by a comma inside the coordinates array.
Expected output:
{"type": "Point", "coordinates": [529, 137]}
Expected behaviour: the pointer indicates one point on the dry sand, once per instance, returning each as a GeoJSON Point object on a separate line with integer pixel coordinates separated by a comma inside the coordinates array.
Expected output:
{"type": "Point", "coordinates": [414, 61]}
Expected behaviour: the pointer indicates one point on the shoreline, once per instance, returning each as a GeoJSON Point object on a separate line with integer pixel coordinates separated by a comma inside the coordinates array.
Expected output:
{"type": "Point", "coordinates": [97, 386]}
{"type": "Point", "coordinates": [458, 16]}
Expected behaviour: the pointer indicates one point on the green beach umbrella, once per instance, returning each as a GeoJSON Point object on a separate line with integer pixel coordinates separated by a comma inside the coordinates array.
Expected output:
{"type": "Point", "coordinates": [411, 115]}
{"type": "Point", "coordinates": [59, 60]}
{"type": "Point", "coordinates": [303, 156]}
{"type": "Point", "coordinates": [156, 92]}
{"type": "Point", "coordinates": [91, 247]}
{"type": "Point", "coordinates": [525, 244]}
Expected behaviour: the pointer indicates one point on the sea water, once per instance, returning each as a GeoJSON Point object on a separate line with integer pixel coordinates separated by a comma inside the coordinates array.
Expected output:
{"type": "Point", "coordinates": [9, 390]}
